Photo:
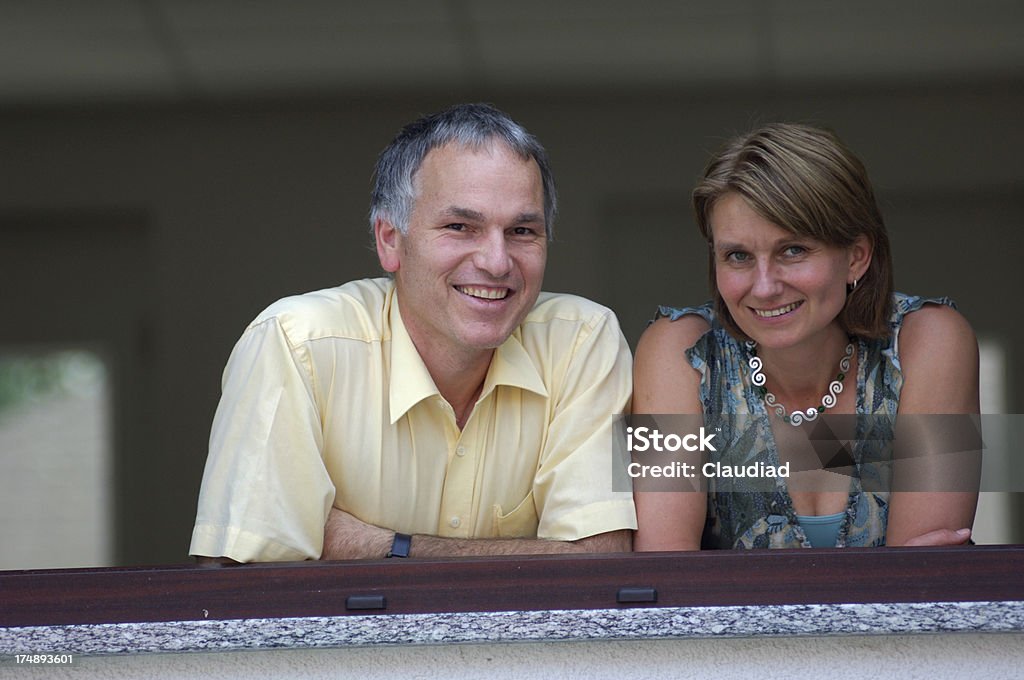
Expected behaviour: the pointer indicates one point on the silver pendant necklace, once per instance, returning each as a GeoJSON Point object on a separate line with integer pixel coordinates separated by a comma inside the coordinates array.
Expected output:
{"type": "Point", "coordinates": [828, 401]}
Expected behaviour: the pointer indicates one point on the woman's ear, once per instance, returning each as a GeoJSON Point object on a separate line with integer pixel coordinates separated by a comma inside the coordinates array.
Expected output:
{"type": "Point", "coordinates": [860, 258]}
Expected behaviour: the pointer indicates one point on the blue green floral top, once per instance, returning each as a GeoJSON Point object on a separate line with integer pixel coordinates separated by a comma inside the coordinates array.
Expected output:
{"type": "Point", "coordinates": [751, 516]}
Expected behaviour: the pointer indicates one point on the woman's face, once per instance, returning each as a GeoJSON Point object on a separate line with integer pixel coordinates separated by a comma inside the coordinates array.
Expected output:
{"type": "Point", "coordinates": [782, 290]}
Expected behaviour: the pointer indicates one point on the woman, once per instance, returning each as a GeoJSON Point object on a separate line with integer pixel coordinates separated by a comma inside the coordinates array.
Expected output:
{"type": "Point", "coordinates": [804, 321]}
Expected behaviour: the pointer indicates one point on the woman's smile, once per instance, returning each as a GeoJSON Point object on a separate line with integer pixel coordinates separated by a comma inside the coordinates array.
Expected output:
{"type": "Point", "coordinates": [778, 311]}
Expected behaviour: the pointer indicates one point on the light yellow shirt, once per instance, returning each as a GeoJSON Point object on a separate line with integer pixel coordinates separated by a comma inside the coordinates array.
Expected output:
{"type": "Point", "coordinates": [326, 402]}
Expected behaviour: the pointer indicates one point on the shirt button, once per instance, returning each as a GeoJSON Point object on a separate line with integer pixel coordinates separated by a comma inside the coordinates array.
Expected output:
{"type": "Point", "coordinates": [455, 522]}
{"type": "Point", "coordinates": [461, 451]}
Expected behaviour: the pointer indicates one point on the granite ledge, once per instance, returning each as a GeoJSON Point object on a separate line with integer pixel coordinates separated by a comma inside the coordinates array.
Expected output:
{"type": "Point", "coordinates": [519, 626]}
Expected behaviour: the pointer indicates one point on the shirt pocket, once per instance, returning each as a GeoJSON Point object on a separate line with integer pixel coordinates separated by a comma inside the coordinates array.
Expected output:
{"type": "Point", "coordinates": [520, 522]}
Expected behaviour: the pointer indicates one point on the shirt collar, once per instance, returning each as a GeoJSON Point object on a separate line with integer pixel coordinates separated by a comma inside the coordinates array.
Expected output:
{"type": "Point", "coordinates": [411, 383]}
{"type": "Point", "coordinates": [512, 366]}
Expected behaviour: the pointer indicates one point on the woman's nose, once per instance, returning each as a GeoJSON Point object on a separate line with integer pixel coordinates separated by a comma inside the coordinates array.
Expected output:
{"type": "Point", "coordinates": [767, 283]}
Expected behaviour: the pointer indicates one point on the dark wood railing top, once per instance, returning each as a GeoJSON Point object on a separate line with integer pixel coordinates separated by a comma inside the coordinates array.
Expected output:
{"type": "Point", "coordinates": [769, 577]}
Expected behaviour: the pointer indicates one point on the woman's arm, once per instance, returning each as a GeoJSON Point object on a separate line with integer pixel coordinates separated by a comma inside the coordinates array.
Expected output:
{"type": "Point", "coordinates": [939, 355]}
{"type": "Point", "coordinates": [663, 383]}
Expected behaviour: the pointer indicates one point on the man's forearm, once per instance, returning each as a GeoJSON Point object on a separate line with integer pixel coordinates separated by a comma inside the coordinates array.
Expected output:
{"type": "Point", "coordinates": [348, 538]}
{"type": "Point", "coordinates": [437, 546]}
{"type": "Point", "coordinates": [204, 561]}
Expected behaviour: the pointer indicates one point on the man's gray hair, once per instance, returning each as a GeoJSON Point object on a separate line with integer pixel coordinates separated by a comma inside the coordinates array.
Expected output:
{"type": "Point", "coordinates": [476, 126]}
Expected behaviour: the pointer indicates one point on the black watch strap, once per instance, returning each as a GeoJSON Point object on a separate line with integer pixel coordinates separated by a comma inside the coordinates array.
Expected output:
{"type": "Point", "coordinates": [400, 546]}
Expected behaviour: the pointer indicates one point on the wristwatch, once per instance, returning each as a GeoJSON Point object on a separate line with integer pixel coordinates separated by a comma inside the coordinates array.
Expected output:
{"type": "Point", "coordinates": [400, 546]}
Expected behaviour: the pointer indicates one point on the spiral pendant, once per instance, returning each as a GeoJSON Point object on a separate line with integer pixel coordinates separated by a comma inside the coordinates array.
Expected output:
{"type": "Point", "coordinates": [831, 398]}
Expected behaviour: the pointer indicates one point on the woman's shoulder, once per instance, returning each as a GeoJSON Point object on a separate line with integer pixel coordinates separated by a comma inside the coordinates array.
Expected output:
{"type": "Point", "coordinates": [936, 329]}
{"type": "Point", "coordinates": [916, 318]}
{"type": "Point", "coordinates": [934, 342]}
{"type": "Point", "coordinates": [666, 377]}
{"type": "Point", "coordinates": [937, 353]}
{"type": "Point", "coordinates": [676, 328]}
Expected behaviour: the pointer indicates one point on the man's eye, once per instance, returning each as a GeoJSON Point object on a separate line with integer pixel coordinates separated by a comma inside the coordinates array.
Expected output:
{"type": "Point", "coordinates": [458, 226]}
{"type": "Point", "coordinates": [524, 231]}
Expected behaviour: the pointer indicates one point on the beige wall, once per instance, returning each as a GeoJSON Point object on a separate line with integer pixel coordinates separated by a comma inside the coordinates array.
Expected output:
{"type": "Point", "coordinates": [160, 232]}
{"type": "Point", "coordinates": [990, 655]}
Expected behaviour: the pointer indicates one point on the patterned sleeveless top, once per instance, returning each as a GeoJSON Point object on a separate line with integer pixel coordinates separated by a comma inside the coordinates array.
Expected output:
{"type": "Point", "coordinates": [749, 516]}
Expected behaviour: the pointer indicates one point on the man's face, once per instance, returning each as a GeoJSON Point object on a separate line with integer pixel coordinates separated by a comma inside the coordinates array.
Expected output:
{"type": "Point", "coordinates": [472, 263]}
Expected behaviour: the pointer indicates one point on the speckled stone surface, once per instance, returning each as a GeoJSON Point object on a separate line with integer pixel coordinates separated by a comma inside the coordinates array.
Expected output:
{"type": "Point", "coordinates": [595, 624]}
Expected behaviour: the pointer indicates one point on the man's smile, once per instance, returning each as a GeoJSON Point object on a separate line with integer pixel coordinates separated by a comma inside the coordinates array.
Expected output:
{"type": "Point", "coordinates": [484, 292]}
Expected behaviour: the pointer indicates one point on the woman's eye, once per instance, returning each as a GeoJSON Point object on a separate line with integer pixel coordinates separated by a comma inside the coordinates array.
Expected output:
{"type": "Point", "coordinates": [737, 256]}
{"type": "Point", "coordinates": [795, 250]}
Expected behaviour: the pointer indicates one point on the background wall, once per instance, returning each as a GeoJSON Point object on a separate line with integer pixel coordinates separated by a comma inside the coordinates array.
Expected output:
{"type": "Point", "coordinates": [155, 226]}
{"type": "Point", "coordinates": [905, 656]}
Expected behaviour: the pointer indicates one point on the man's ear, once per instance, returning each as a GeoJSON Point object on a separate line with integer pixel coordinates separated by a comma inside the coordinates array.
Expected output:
{"type": "Point", "coordinates": [388, 240]}
{"type": "Point", "coordinates": [860, 258]}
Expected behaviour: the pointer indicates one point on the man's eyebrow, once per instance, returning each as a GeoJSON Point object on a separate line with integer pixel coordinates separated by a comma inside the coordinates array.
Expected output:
{"type": "Point", "coordinates": [462, 213]}
{"type": "Point", "coordinates": [529, 218]}
{"type": "Point", "coordinates": [457, 212]}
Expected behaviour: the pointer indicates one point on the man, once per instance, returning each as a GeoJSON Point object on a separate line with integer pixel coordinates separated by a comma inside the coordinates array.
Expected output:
{"type": "Point", "coordinates": [452, 409]}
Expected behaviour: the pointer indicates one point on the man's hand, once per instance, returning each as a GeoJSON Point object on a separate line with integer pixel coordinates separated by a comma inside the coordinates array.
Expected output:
{"type": "Point", "coordinates": [348, 538]}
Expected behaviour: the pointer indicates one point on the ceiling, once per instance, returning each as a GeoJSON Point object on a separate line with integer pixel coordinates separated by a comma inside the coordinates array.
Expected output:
{"type": "Point", "coordinates": [61, 51]}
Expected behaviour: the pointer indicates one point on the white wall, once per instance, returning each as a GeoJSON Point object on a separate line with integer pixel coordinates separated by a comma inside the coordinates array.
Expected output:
{"type": "Point", "coordinates": [934, 657]}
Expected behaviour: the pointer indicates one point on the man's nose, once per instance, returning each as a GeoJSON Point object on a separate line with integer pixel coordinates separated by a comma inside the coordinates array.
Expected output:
{"type": "Point", "coordinates": [493, 256]}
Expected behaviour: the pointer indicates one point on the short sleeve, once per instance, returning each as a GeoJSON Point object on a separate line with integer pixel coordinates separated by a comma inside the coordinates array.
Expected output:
{"type": "Point", "coordinates": [265, 493]}
{"type": "Point", "coordinates": [903, 305]}
{"type": "Point", "coordinates": [703, 350]}
{"type": "Point", "coordinates": [704, 311]}
{"type": "Point", "coordinates": [573, 486]}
